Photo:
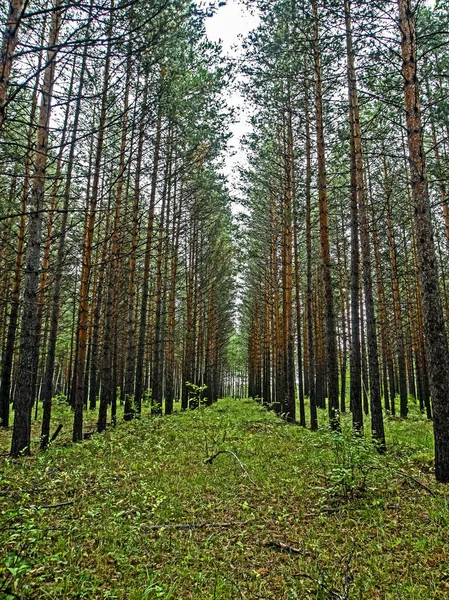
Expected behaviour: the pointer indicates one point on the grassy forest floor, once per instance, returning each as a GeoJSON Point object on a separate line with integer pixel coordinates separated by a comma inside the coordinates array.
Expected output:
{"type": "Point", "coordinates": [284, 513]}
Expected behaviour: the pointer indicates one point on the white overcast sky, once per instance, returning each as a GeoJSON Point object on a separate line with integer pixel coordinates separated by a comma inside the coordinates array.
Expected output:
{"type": "Point", "coordinates": [229, 24]}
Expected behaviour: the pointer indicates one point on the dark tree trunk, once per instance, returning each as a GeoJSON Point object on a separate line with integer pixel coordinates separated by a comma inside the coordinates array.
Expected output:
{"type": "Point", "coordinates": [47, 387]}
{"type": "Point", "coordinates": [7, 53]}
{"type": "Point", "coordinates": [434, 327]}
{"type": "Point", "coordinates": [28, 360]}
{"type": "Point", "coordinates": [8, 352]}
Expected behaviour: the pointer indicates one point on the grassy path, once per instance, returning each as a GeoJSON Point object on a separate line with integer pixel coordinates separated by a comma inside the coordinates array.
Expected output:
{"type": "Point", "coordinates": [356, 526]}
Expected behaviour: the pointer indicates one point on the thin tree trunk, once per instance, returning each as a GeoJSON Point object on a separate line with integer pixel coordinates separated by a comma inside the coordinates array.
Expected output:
{"type": "Point", "coordinates": [396, 305]}
{"type": "Point", "coordinates": [309, 290]}
{"type": "Point", "coordinates": [109, 365]}
{"type": "Point", "coordinates": [355, 364]}
{"type": "Point", "coordinates": [146, 270]}
{"type": "Point", "coordinates": [171, 325]}
{"type": "Point", "coordinates": [83, 305]}
{"type": "Point", "coordinates": [287, 296]}
{"type": "Point", "coordinates": [331, 338]}
{"type": "Point", "coordinates": [341, 280]}
{"type": "Point", "coordinates": [132, 304]}
{"type": "Point", "coordinates": [377, 425]}
{"type": "Point", "coordinates": [158, 369]}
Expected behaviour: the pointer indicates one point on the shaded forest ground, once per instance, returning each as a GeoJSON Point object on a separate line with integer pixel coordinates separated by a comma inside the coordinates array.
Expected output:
{"type": "Point", "coordinates": [62, 415]}
{"type": "Point", "coordinates": [290, 514]}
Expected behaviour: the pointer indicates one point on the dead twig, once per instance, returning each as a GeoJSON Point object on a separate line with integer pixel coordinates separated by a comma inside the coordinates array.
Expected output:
{"type": "Point", "coordinates": [53, 505]}
{"type": "Point", "coordinates": [194, 525]}
{"type": "Point", "coordinates": [321, 584]}
{"type": "Point", "coordinates": [210, 460]}
{"type": "Point", "coordinates": [417, 481]}
{"type": "Point", "coordinates": [283, 547]}
{"type": "Point", "coordinates": [407, 476]}
{"type": "Point", "coordinates": [347, 575]}
{"type": "Point", "coordinates": [56, 433]}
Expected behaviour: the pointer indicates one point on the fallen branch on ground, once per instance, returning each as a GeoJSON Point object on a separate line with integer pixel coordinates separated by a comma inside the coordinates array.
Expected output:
{"type": "Point", "coordinates": [417, 481]}
{"type": "Point", "coordinates": [194, 525]}
{"type": "Point", "coordinates": [332, 593]}
{"type": "Point", "coordinates": [283, 547]}
{"type": "Point", "coordinates": [347, 574]}
{"type": "Point", "coordinates": [210, 460]}
{"type": "Point", "coordinates": [53, 505]}
{"type": "Point", "coordinates": [56, 433]}
{"type": "Point", "coordinates": [407, 476]}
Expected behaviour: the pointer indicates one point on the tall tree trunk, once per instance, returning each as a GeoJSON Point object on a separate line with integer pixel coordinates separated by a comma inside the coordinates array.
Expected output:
{"type": "Point", "coordinates": [355, 365]}
{"type": "Point", "coordinates": [302, 411]}
{"type": "Point", "coordinates": [266, 391]}
{"type": "Point", "coordinates": [132, 304]}
{"type": "Point", "coordinates": [434, 327]}
{"type": "Point", "coordinates": [287, 296]}
{"type": "Point", "coordinates": [309, 289]}
{"type": "Point", "coordinates": [342, 279]}
{"type": "Point", "coordinates": [21, 436]}
{"type": "Point", "coordinates": [83, 304]}
{"type": "Point", "coordinates": [47, 382]}
{"type": "Point", "coordinates": [146, 269]}
{"type": "Point", "coordinates": [158, 367]}
{"type": "Point", "coordinates": [10, 35]}
{"type": "Point", "coordinates": [171, 324]}
{"type": "Point", "coordinates": [8, 353]}
{"type": "Point", "coordinates": [331, 337]}
{"type": "Point", "coordinates": [396, 304]}
{"type": "Point", "coordinates": [109, 365]}
{"type": "Point", "coordinates": [421, 354]}
{"type": "Point", "coordinates": [377, 425]}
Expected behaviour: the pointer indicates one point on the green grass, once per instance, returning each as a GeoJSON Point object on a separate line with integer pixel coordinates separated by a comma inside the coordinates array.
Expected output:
{"type": "Point", "coordinates": [328, 496]}
{"type": "Point", "coordinates": [61, 414]}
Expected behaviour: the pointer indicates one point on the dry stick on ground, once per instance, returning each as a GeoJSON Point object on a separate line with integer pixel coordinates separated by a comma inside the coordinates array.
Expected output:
{"type": "Point", "coordinates": [347, 581]}
{"type": "Point", "coordinates": [283, 547]}
{"type": "Point", "coordinates": [56, 433]}
{"type": "Point", "coordinates": [330, 591]}
{"type": "Point", "coordinates": [417, 481]}
{"type": "Point", "coordinates": [53, 505]}
{"type": "Point", "coordinates": [195, 525]}
{"type": "Point", "coordinates": [407, 476]}
{"type": "Point", "coordinates": [210, 460]}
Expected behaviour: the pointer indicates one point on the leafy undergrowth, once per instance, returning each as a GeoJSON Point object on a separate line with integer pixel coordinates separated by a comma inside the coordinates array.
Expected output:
{"type": "Point", "coordinates": [283, 513]}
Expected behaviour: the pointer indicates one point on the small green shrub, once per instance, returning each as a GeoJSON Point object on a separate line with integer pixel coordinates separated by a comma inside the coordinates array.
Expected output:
{"type": "Point", "coordinates": [353, 461]}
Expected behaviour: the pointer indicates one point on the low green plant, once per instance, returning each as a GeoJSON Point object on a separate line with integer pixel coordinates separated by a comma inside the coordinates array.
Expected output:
{"type": "Point", "coordinates": [147, 396]}
{"type": "Point", "coordinates": [15, 569]}
{"type": "Point", "coordinates": [353, 461]}
{"type": "Point", "coordinates": [196, 394]}
{"type": "Point", "coordinates": [60, 398]}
